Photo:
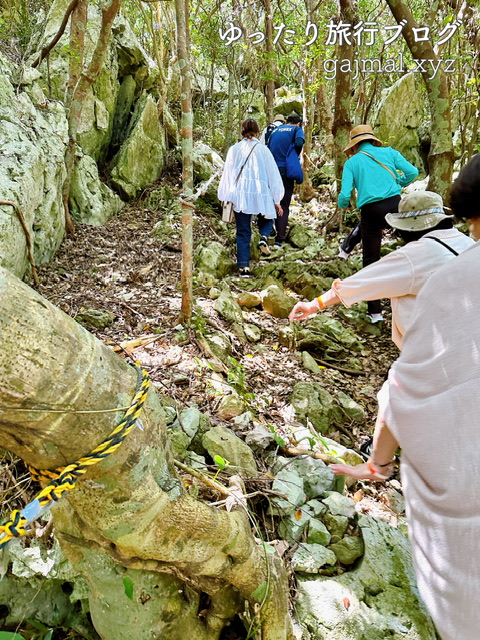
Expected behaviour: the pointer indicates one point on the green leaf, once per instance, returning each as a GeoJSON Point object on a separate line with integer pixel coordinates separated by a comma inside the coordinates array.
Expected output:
{"type": "Point", "coordinates": [260, 592]}
{"type": "Point", "coordinates": [128, 586]}
{"type": "Point", "coordinates": [220, 462]}
{"type": "Point", "coordinates": [10, 635]}
{"type": "Point", "coordinates": [49, 635]}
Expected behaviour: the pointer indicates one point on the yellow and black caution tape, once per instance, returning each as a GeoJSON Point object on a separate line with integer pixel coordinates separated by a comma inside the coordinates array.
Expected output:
{"type": "Point", "coordinates": [63, 479]}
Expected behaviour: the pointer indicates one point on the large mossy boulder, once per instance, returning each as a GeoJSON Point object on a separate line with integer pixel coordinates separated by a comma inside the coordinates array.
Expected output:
{"type": "Point", "coordinates": [378, 599]}
{"type": "Point", "coordinates": [34, 133]}
{"type": "Point", "coordinates": [311, 402]}
{"type": "Point", "coordinates": [330, 339]}
{"type": "Point", "coordinates": [399, 115]}
{"type": "Point", "coordinates": [91, 201]}
{"type": "Point", "coordinates": [141, 158]}
{"type": "Point", "coordinates": [213, 259]}
{"type": "Point", "coordinates": [276, 302]}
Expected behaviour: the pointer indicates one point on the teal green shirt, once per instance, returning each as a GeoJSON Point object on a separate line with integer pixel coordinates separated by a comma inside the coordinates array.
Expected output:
{"type": "Point", "coordinates": [372, 181]}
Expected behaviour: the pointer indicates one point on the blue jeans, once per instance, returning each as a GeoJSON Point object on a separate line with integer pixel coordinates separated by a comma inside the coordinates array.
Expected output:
{"type": "Point", "coordinates": [244, 235]}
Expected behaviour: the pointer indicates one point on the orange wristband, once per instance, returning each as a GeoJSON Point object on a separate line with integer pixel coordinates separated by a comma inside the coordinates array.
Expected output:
{"type": "Point", "coordinates": [321, 303]}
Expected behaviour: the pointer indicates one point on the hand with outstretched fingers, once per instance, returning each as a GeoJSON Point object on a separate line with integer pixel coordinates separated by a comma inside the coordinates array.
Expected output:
{"type": "Point", "coordinates": [303, 310]}
{"type": "Point", "coordinates": [365, 471]}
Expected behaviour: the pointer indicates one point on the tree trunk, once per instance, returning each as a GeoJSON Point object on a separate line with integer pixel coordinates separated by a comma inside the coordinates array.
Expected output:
{"type": "Point", "coordinates": [342, 122]}
{"type": "Point", "coordinates": [440, 157]}
{"type": "Point", "coordinates": [270, 84]}
{"type": "Point", "coordinates": [84, 83]}
{"type": "Point", "coordinates": [186, 132]}
{"type": "Point", "coordinates": [130, 512]}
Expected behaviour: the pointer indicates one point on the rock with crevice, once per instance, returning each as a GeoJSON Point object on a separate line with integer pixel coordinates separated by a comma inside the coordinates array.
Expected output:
{"type": "Point", "coordinates": [220, 441]}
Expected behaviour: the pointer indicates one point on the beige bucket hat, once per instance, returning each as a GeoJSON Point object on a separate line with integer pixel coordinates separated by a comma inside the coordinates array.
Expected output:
{"type": "Point", "coordinates": [417, 211]}
{"type": "Point", "coordinates": [280, 117]}
{"type": "Point", "coordinates": [360, 133]}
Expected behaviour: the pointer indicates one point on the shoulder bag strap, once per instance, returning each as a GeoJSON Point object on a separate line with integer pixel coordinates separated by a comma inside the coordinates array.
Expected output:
{"type": "Point", "coordinates": [380, 163]}
{"type": "Point", "coordinates": [444, 244]}
{"type": "Point", "coordinates": [246, 160]}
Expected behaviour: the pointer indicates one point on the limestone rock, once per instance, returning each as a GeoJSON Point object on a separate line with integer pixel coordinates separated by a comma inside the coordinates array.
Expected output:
{"type": "Point", "coordinates": [377, 600]}
{"type": "Point", "coordinates": [249, 299]}
{"type": "Point", "coordinates": [223, 442]}
{"type": "Point", "coordinates": [318, 533]}
{"type": "Point", "coordinates": [301, 236]}
{"type": "Point", "coordinates": [190, 421]}
{"type": "Point", "coordinates": [213, 258]}
{"type": "Point", "coordinates": [348, 549]}
{"type": "Point", "coordinates": [310, 558]}
{"type": "Point", "coordinates": [309, 363]}
{"type": "Point", "coordinates": [317, 476]}
{"type": "Point", "coordinates": [307, 285]}
{"type": "Point", "coordinates": [141, 158]}
{"type": "Point", "coordinates": [217, 345]}
{"type": "Point", "coordinates": [337, 525]}
{"type": "Point", "coordinates": [259, 437]}
{"type": "Point", "coordinates": [276, 302]}
{"type": "Point", "coordinates": [95, 318]}
{"type": "Point", "coordinates": [205, 161]}
{"type": "Point", "coordinates": [351, 408]}
{"type": "Point", "coordinates": [228, 307]}
{"type": "Point", "coordinates": [289, 483]}
{"type": "Point", "coordinates": [91, 201]}
{"type": "Point", "coordinates": [339, 505]}
{"type": "Point", "coordinates": [252, 332]}
{"type": "Point", "coordinates": [398, 116]}
{"type": "Point", "coordinates": [292, 526]}
{"type": "Point", "coordinates": [230, 406]}
{"type": "Point", "coordinates": [311, 401]}
{"type": "Point", "coordinates": [32, 172]}
{"type": "Point", "coordinates": [328, 337]}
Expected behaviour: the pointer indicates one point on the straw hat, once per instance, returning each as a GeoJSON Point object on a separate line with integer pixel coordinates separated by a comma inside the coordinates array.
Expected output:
{"type": "Point", "coordinates": [280, 117]}
{"type": "Point", "coordinates": [418, 211]}
{"type": "Point", "coordinates": [360, 133]}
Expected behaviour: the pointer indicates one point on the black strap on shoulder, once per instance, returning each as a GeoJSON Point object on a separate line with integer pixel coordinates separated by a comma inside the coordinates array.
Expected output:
{"type": "Point", "coordinates": [444, 244]}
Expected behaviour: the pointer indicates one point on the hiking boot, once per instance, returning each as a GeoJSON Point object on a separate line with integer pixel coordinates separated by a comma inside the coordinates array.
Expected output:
{"type": "Point", "coordinates": [263, 246]}
{"type": "Point", "coordinates": [244, 272]}
{"type": "Point", "coordinates": [375, 317]}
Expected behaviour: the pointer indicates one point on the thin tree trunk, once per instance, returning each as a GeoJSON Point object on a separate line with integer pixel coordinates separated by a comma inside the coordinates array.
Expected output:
{"type": "Point", "coordinates": [342, 123]}
{"type": "Point", "coordinates": [440, 157]}
{"type": "Point", "coordinates": [85, 81]}
{"type": "Point", "coordinates": [131, 509]}
{"type": "Point", "coordinates": [325, 119]}
{"type": "Point", "coordinates": [270, 85]}
{"type": "Point", "coordinates": [183, 53]}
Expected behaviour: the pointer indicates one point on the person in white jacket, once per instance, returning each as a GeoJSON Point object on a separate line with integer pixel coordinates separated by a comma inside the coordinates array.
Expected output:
{"type": "Point", "coordinates": [431, 409]}
{"type": "Point", "coordinates": [431, 241]}
{"type": "Point", "coordinates": [252, 182]}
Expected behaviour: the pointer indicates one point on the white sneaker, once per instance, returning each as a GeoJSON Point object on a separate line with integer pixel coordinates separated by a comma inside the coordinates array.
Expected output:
{"type": "Point", "coordinates": [343, 254]}
{"type": "Point", "coordinates": [375, 317]}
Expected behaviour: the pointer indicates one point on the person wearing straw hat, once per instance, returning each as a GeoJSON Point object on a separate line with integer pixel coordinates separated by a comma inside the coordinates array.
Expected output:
{"type": "Point", "coordinates": [378, 174]}
{"type": "Point", "coordinates": [431, 241]}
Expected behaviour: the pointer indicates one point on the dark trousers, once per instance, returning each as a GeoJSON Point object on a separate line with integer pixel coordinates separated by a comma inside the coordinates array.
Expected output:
{"type": "Point", "coordinates": [369, 231]}
{"type": "Point", "coordinates": [244, 234]}
{"type": "Point", "coordinates": [281, 222]}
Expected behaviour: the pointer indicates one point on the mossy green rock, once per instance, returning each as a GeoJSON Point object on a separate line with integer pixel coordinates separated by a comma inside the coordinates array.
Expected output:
{"type": "Point", "coordinates": [376, 600]}
{"type": "Point", "coordinates": [276, 302]}
{"type": "Point", "coordinates": [221, 441]}
{"type": "Point", "coordinates": [312, 402]}
{"type": "Point", "coordinates": [348, 549]}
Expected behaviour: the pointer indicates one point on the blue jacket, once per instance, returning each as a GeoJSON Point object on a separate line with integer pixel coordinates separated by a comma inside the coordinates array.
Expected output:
{"type": "Point", "coordinates": [281, 140]}
{"type": "Point", "coordinates": [372, 181]}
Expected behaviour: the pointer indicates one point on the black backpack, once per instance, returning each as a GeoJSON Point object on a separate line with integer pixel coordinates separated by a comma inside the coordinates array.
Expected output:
{"type": "Point", "coordinates": [268, 132]}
